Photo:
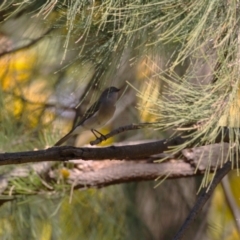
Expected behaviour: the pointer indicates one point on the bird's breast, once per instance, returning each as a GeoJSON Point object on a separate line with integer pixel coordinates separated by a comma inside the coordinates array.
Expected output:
{"type": "Point", "coordinates": [101, 117]}
{"type": "Point", "coordinates": [105, 113]}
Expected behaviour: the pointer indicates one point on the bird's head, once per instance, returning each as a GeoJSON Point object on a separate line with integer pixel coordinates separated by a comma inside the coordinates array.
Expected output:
{"type": "Point", "coordinates": [110, 91]}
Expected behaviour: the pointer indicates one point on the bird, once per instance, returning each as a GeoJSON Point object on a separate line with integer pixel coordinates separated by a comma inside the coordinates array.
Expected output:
{"type": "Point", "coordinates": [96, 116]}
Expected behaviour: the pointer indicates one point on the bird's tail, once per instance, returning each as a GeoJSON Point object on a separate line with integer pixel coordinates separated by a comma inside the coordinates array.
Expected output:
{"type": "Point", "coordinates": [64, 139]}
{"type": "Point", "coordinates": [77, 130]}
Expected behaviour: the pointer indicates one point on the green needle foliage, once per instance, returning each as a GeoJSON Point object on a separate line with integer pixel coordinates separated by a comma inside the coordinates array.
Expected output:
{"type": "Point", "coordinates": [197, 41]}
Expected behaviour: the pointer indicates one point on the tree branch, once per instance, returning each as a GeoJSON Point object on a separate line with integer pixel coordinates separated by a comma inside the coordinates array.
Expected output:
{"type": "Point", "coordinates": [120, 130]}
{"type": "Point", "coordinates": [115, 172]}
{"type": "Point", "coordinates": [97, 174]}
{"type": "Point", "coordinates": [102, 173]}
{"type": "Point", "coordinates": [202, 199]}
{"type": "Point", "coordinates": [65, 153]}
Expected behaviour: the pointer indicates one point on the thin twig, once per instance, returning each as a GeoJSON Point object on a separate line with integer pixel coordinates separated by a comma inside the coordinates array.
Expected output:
{"type": "Point", "coordinates": [223, 135]}
{"type": "Point", "coordinates": [130, 127]}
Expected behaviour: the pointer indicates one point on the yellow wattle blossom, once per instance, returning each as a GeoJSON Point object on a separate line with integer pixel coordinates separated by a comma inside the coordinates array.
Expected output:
{"type": "Point", "coordinates": [24, 98]}
{"type": "Point", "coordinates": [16, 69]}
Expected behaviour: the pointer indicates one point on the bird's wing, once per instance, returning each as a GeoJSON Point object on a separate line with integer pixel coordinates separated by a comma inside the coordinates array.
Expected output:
{"type": "Point", "coordinates": [89, 113]}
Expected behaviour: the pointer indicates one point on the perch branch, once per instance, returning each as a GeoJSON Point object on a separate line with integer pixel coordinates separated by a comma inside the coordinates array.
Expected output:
{"type": "Point", "coordinates": [65, 153]}
{"type": "Point", "coordinates": [120, 130]}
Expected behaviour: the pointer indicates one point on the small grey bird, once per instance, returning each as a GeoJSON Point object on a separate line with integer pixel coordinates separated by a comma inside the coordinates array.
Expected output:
{"type": "Point", "coordinates": [97, 115]}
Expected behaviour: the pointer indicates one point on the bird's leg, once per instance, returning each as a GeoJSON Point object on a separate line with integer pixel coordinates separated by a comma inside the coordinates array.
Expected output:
{"type": "Point", "coordinates": [94, 131]}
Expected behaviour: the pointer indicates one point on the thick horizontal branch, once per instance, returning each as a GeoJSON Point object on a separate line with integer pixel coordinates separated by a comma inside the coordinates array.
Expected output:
{"type": "Point", "coordinates": [115, 172]}
{"type": "Point", "coordinates": [87, 174]}
{"type": "Point", "coordinates": [65, 153]}
{"type": "Point", "coordinates": [104, 173]}
{"type": "Point", "coordinates": [125, 152]}
{"type": "Point", "coordinates": [194, 162]}
{"type": "Point", "coordinates": [98, 174]}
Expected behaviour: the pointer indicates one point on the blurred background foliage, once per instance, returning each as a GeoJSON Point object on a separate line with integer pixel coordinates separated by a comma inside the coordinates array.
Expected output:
{"type": "Point", "coordinates": [181, 59]}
